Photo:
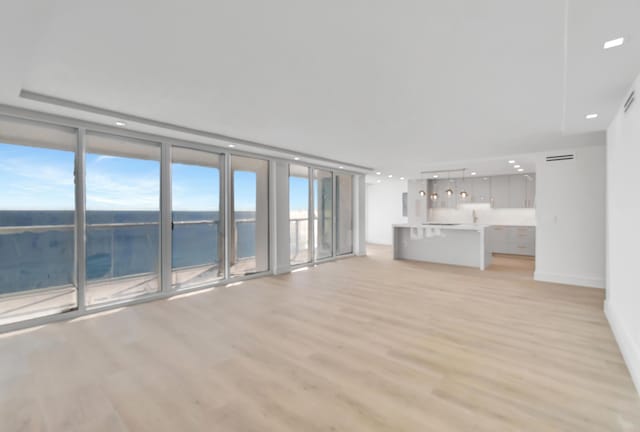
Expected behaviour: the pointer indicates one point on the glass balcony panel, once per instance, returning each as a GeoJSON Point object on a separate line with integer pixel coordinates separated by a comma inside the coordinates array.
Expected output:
{"type": "Point", "coordinates": [323, 204]}
{"type": "Point", "coordinates": [197, 239]}
{"type": "Point", "coordinates": [299, 214]}
{"type": "Point", "coordinates": [123, 219]}
{"type": "Point", "coordinates": [249, 245]}
{"type": "Point", "coordinates": [37, 220]}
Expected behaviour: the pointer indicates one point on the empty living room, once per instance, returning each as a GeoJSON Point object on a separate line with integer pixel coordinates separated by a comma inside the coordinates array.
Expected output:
{"type": "Point", "coordinates": [291, 216]}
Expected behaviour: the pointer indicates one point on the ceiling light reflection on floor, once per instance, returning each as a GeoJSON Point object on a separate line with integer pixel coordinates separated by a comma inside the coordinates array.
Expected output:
{"type": "Point", "coordinates": [189, 294]}
{"type": "Point", "coordinates": [97, 315]}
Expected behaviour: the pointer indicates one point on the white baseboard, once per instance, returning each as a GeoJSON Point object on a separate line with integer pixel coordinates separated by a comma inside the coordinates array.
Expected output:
{"type": "Point", "coordinates": [591, 282]}
{"type": "Point", "coordinates": [629, 348]}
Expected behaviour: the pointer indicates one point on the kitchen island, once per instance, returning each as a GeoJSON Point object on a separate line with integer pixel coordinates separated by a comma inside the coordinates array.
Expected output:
{"type": "Point", "coordinates": [456, 244]}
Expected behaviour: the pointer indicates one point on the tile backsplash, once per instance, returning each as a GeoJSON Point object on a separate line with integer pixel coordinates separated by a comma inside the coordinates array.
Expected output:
{"type": "Point", "coordinates": [486, 215]}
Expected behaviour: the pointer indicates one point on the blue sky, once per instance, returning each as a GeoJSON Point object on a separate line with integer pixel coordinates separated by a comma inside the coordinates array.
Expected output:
{"type": "Point", "coordinates": [42, 179]}
{"type": "Point", "coordinates": [298, 194]}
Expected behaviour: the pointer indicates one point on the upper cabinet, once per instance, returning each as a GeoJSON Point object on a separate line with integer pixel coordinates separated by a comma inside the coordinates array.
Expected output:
{"type": "Point", "coordinates": [517, 191]}
{"type": "Point", "coordinates": [514, 191]}
{"type": "Point", "coordinates": [500, 191]}
{"type": "Point", "coordinates": [503, 191]}
{"type": "Point", "coordinates": [530, 190]}
{"type": "Point", "coordinates": [481, 192]}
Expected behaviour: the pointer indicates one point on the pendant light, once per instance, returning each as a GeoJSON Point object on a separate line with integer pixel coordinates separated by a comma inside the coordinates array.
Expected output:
{"type": "Point", "coordinates": [463, 192]}
{"type": "Point", "coordinates": [434, 194]}
{"type": "Point", "coordinates": [426, 187]}
{"type": "Point", "coordinates": [449, 190]}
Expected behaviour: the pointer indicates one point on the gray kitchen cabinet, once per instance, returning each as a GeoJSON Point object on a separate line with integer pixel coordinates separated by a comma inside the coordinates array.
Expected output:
{"type": "Point", "coordinates": [503, 191]}
{"type": "Point", "coordinates": [439, 188]}
{"type": "Point", "coordinates": [513, 240]}
{"type": "Point", "coordinates": [530, 190]}
{"type": "Point", "coordinates": [481, 190]}
{"type": "Point", "coordinates": [500, 191]}
{"type": "Point", "coordinates": [517, 191]}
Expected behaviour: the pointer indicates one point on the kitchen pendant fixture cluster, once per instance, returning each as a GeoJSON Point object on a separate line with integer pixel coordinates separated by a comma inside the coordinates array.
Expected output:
{"type": "Point", "coordinates": [434, 195]}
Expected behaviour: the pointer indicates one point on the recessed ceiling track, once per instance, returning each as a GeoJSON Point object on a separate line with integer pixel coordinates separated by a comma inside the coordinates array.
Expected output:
{"type": "Point", "coordinates": [629, 101]}
{"type": "Point", "coordinates": [443, 171]}
{"type": "Point", "coordinates": [39, 97]}
{"type": "Point", "coordinates": [559, 158]}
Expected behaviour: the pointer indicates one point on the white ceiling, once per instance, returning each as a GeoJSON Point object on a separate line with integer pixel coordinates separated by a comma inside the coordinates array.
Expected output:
{"type": "Point", "coordinates": [394, 85]}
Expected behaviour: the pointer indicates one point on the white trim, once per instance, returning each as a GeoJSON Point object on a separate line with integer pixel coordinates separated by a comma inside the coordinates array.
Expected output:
{"type": "Point", "coordinates": [211, 145]}
{"type": "Point", "coordinates": [565, 279]}
{"type": "Point", "coordinates": [628, 347]}
{"type": "Point", "coordinates": [47, 99]}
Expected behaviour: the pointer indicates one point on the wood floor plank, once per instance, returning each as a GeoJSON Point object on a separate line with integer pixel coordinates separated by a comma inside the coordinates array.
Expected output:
{"type": "Point", "coordinates": [359, 344]}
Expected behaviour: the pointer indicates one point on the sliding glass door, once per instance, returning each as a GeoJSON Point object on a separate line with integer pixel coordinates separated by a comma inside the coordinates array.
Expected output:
{"type": "Point", "coordinates": [299, 197]}
{"type": "Point", "coordinates": [344, 214]}
{"type": "Point", "coordinates": [197, 229]}
{"type": "Point", "coordinates": [323, 206]}
{"type": "Point", "coordinates": [249, 216]}
{"type": "Point", "coordinates": [81, 218]}
{"type": "Point", "coordinates": [123, 218]}
{"type": "Point", "coordinates": [37, 220]}
{"type": "Point", "coordinates": [332, 209]}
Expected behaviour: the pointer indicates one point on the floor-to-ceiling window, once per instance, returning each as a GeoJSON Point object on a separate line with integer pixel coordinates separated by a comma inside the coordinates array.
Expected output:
{"type": "Point", "coordinates": [197, 229]}
{"type": "Point", "coordinates": [344, 214]}
{"type": "Point", "coordinates": [81, 218]}
{"type": "Point", "coordinates": [299, 227]}
{"type": "Point", "coordinates": [249, 216]}
{"type": "Point", "coordinates": [37, 220]}
{"type": "Point", "coordinates": [123, 218]}
{"type": "Point", "coordinates": [323, 209]}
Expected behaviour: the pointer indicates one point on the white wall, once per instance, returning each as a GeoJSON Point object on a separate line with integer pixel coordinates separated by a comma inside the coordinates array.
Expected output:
{"type": "Point", "coordinates": [384, 208]}
{"type": "Point", "coordinates": [623, 233]}
{"type": "Point", "coordinates": [570, 218]}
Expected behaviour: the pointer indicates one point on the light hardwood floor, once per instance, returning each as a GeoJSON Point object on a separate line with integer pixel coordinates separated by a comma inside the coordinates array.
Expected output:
{"type": "Point", "coordinates": [361, 344]}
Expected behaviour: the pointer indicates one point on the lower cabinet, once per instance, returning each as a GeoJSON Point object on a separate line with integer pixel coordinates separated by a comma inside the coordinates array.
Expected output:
{"type": "Point", "coordinates": [515, 240]}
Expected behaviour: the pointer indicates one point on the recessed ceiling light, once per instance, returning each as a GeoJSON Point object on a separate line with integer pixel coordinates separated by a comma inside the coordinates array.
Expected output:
{"type": "Point", "coordinates": [296, 158]}
{"type": "Point", "coordinates": [390, 176]}
{"type": "Point", "coordinates": [378, 181]}
{"type": "Point", "coordinates": [435, 176]}
{"type": "Point", "coordinates": [512, 161]}
{"type": "Point", "coordinates": [516, 166]}
{"type": "Point", "coordinates": [613, 43]}
{"type": "Point", "coordinates": [341, 167]}
{"type": "Point", "coordinates": [591, 116]}
{"type": "Point", "coordinates": [378, 173]}
{"type": "Point", "coordinates": [401, 178]}
{"type": "Point", "coordinates": [232, 145]}
{"type": "Point", "coordinates": [120, 123]}
{"type": "Point", "coordinates": [473, 173]}
{"type": "Point", "coordinates": [520, 169]}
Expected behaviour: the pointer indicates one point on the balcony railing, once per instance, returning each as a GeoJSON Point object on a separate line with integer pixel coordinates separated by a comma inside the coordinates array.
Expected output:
{"type": "Point", "coordinates": [244, 250]}
{"type": "Point", "coordinates": [299, 238]}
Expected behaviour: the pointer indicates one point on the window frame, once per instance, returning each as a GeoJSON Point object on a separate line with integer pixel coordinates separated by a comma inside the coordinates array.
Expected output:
{"type": "Point", "coordinates": [220, 147]}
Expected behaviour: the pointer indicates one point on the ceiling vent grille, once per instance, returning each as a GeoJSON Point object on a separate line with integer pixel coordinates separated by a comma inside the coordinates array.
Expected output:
{"type": "Point", "coordinates": [629, 101]}
{"type": "Point", "coordinates": [560, 158]}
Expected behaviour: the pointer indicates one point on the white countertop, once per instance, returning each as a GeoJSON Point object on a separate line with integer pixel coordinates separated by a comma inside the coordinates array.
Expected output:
{"type": "Point", "coordinates": [465, 227]}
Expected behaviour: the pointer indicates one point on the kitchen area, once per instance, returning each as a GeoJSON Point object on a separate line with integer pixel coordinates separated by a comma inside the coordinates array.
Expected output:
{"type": "Point", "coordinates": [459, 217]}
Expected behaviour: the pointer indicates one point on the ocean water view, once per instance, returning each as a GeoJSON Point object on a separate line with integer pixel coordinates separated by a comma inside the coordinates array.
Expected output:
{"type": "Point", "coordinates": [119, 244]}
